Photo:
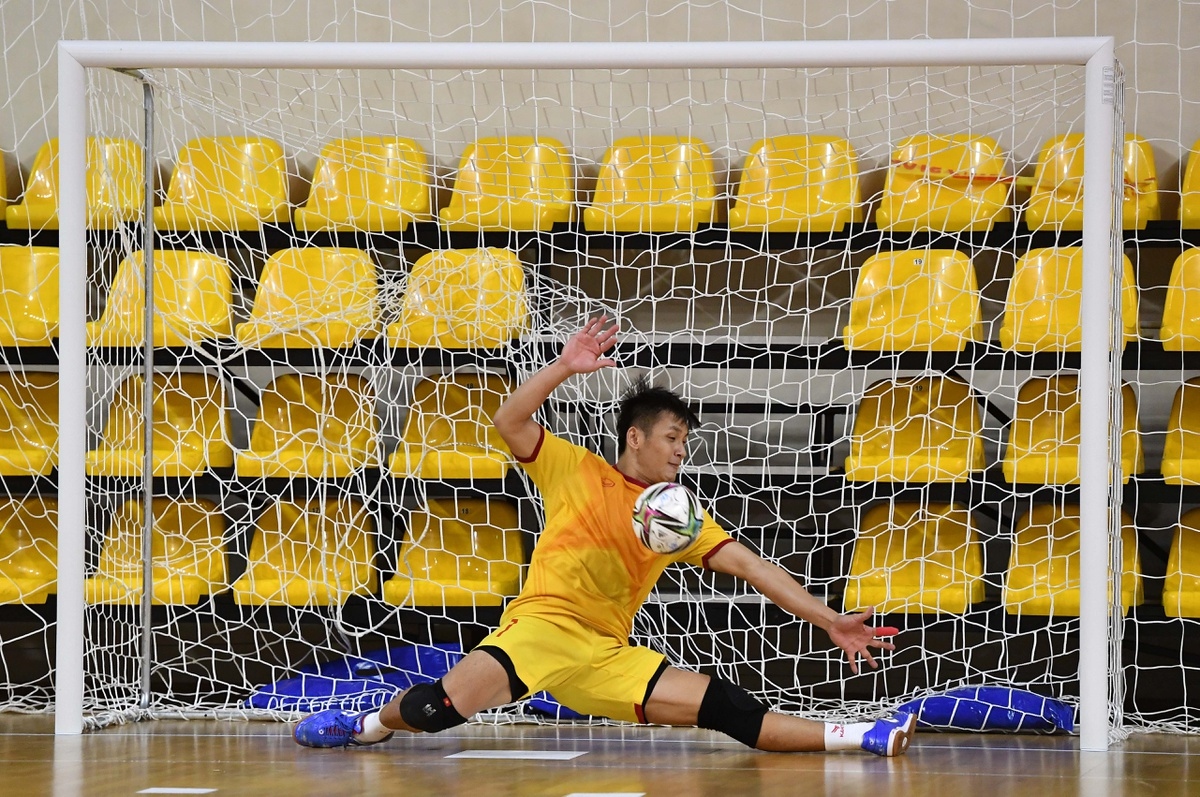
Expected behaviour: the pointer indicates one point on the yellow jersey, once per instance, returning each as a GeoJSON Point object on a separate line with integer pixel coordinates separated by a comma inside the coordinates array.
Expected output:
{"type": "Point", "coordinates": [588, 564]}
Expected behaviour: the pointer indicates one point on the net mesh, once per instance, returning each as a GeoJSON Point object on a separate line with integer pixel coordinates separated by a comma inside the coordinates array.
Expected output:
{"type": "Point", "coordinates": [328, 482]}
{"type": "Point", "coordinates": [752, 330]}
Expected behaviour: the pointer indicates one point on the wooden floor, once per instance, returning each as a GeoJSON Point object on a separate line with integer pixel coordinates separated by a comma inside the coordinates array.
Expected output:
{"type": "Point", "coordinates": [253, 758]}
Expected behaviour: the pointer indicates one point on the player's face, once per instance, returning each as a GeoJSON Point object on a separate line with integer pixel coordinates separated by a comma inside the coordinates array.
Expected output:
{"type": "Point", "coordinates": [664, 449]}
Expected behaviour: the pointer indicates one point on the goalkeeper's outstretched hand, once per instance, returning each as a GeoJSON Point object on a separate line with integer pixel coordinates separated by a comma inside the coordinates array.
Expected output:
{"type": "Point", "coordinates": [852, 634]}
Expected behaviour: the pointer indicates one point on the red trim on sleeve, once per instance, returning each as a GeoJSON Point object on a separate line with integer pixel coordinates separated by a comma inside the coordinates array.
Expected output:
{"type": "Point", "coordinates": [536, 449]}
{"type": "Point", "coordinates": [641, 715]}
{"type": "Point", "coordinates": [717, 547]}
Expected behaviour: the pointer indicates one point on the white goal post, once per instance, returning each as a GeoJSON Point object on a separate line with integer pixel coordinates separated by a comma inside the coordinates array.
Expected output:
{"type": "Point", "coordinates": [1099, 502]}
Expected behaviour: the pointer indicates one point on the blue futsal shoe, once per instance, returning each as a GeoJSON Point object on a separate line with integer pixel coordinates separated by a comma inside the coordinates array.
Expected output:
{"type": "Point", "coordinates": [891, 735]}
{"type": "Point", "coordinates": [331, 728]}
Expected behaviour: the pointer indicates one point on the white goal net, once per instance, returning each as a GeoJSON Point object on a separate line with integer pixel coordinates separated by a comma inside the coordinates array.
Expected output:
{"type": "Point", "coordinates": [867, 280]}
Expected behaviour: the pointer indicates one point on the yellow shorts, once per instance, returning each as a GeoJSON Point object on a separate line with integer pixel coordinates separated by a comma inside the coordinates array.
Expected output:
{"type": "Point", "coordinates": [584, 670]}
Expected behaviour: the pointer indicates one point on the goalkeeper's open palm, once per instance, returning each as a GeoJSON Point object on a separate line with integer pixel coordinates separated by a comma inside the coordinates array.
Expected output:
{"type": "Point", "coordinates": [851, 633]}
{"type": "Point", "coordinates": [584, 353]}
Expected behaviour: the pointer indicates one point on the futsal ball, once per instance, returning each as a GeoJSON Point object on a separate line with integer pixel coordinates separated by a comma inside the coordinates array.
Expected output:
{"type": "Point", "coordinates": [667, 517]}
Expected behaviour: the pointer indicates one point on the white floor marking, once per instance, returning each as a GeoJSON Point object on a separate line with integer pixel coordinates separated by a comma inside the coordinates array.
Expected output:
{"type": "Point", "coordinates": [175, 790]}
{"type": "Point", "coordinates": [531, 755]}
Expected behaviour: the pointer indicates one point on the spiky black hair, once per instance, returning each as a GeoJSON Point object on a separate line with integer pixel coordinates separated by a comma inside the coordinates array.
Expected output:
{"type": "Point", "coordinates": [642, 404]}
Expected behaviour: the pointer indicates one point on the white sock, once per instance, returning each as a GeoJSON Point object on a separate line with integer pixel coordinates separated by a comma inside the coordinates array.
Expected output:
{"type": "Point", "coordinates": [372, 729]}
{"type": "Point", "coordinates": [845, 737]}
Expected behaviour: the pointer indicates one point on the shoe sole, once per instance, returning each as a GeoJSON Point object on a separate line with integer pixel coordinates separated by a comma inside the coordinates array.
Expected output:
{"type": "Point", "coordinates": [900, 738]}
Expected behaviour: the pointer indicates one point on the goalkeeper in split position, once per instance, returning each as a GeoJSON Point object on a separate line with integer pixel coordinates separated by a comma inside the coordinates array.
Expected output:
{"type": "Point", "coordinates": [568, 631]}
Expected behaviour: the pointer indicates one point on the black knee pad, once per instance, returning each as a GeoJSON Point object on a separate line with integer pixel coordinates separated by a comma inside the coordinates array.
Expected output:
{"type": "Point", "coordinates": [732, 710]}
{"type": "Point", "coordinates": [426, 708]}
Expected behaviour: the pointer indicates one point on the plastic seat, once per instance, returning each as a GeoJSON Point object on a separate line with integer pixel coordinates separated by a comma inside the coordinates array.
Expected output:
{"type": "Point", "coordinates": [314, 298]}
{"type": "Point", "coordinates": [940, 183]}
{"type": "Point", "coordinates": [923, 299]}
{"type": "Point", "coordinates": [187, 551]}
{"type": "Point", "coordinates": [28, 549]}
{"type": "Point", "coordinates": [448, 433]}
{"type": "Point", "coordinates": [190, 432]}
{"type": "Point", "coordinates": [1189, 204]}
{"type": "Point", "coordinates": [1180, 330]}
{"type": "Point", "coordinates": [313, 426]}
{"type": "Point", "coordinates": [1043, 567]}
{"type": "Point", "coordinates": [1056, 199]}
{"type": "Point", "coordinates": [911, 559]}
{"type": "Point", "coordinates": [226, 183]}
{"type": "Point", "coordinates": [317, 554]}
{"type": "Point", "coordinates": [371, 184]}
{"type": "Point", "coordinates": [193, 301]}
{"type": "Point", "coordinates": [1181, 449]}
{"type": "Point", "coordinates": [115, 186]}
{"type": "Point", "coordinates": [917, 429]}
{"type": "Point", "coordinates": [462, 299]}
{"type": "Point", "coordinates": [28, 423]}
{"type": "Point", "coordinates": [458, 553]}
{"type": "Point", "coordinates": [28, 295]}
{"type": "Point", "coordinates": [1181, 590]}
{"type": "Point", "coordinates": [1043, 309]}
{"type": "Point", "coordinates": [798, 184]}
{"type": "Point", "coordinates": [513, 183]}
{"type": "Point", "coordinates": [653, 184]}
{"type": "Point", "coordinates": [1043, 442]}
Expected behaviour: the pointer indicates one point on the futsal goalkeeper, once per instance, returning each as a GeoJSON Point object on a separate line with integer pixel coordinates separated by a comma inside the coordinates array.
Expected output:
{"type": "Point", "coordinates": [568, 631]}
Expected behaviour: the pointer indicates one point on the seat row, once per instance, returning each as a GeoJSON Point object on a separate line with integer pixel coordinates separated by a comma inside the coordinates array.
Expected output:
{"type": "Point", "coordinates": [916, 429]}
{"type": "Point", "coordinates": [466, 552]}
{"type": "Point", "coordinates": [306, 426]}
{"type": "Point", "coordinates": [306, 298]}
{"type": "Point", "coordinates": [316, 297]}
{"type": "Point", "coordinates": [907, 557]}
{"type": "Point", "coordinates": [655, 183]}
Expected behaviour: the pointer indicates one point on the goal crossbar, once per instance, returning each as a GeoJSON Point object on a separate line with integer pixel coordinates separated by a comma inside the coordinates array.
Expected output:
{"type": "Point", "coordinates": [1096, 54]}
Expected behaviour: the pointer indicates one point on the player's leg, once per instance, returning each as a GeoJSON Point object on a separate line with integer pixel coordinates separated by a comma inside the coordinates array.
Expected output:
{"type": "Point", "coordinates": [687, 698]}
{"type": "Point", "coordinates": [479, 682]}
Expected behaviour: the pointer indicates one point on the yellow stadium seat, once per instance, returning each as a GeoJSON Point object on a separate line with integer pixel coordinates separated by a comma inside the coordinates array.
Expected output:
{"type": "Point", "coordinates": [448, 433]}
{"type": "Point", "coordinates": [28, 295]}
{"type": "Point", "coordinates": [945, 183]}
{"type": "Point", "coordinates": [1043, 442]}
{"type": "Point", "coordinates": [28, 549]}
{"type": "Point", "coordinates": [1043, 567]}
{"type": "Point", "coordinates": [917, 429]}
{"type": "Point", "coordinates": [115, 186]}
{"type": "Point", "coordinates": [653, 184]}
{"type": "Point", "coordinates": [190, 431]}
{"type": "Point", "coordinates": [226, 183]}
{"type": "Point", "coordinates": [318, 554]}
{"type": "Point", "coordinates": [1056, 199]}
{"type": "Point", "coordinates": [1180, 330]}
{"type": "Point", "coordinates": [922, 299]}
{"type": "Point", "coordinates": [798, 184]}
{"type": "Point", "coordinates": [1189, 205]}
{"type": "Point", "coordinates": [514, 183]}
{"type": "Point", "coordinates": [1181, 449]}
{"type": "Point", "coordinates": [462, 299]}
{"type": "Point", "coordinates": [193, 301]}
{"type": "Point", "coordinates": [28, 423]}
{"type": "Point", "coordinates": [372, 184]}
{"type": "Point", "coordinates": [1043, 308]}
{"type": "Point", "coordinates": [1181, 590]}
{"type": "Point", "coordinates": [458, 553]}
{"type": "Point", "coordinates": [313, 426]}
{"type": "Point", "coordinates": [314, 298]}
{"type": "Point", "coordinates": [187, 552]}
{"type": "Point", "coordinates": [908, 558]}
